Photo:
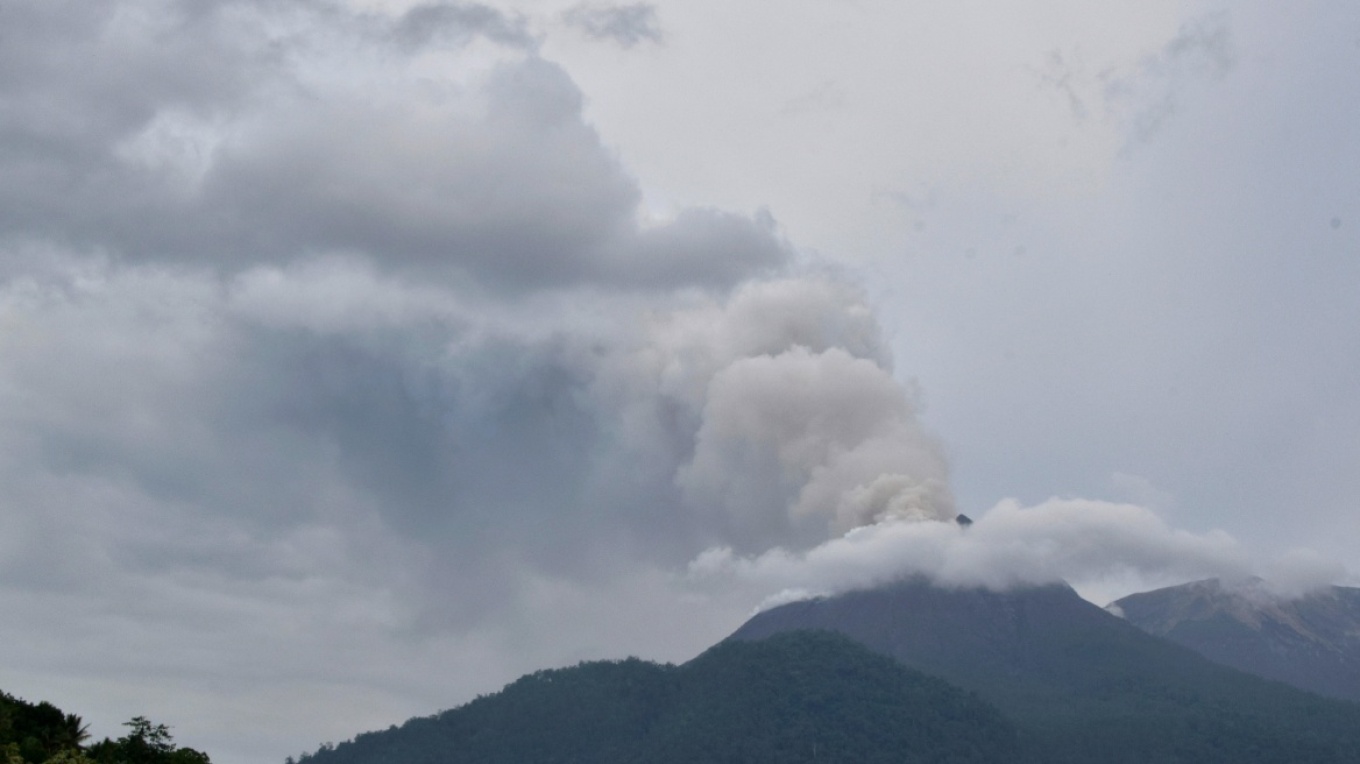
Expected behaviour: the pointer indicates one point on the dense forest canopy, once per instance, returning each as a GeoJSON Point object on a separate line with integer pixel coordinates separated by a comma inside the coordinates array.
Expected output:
{"type": "Point", "coordinates": [41, 733]}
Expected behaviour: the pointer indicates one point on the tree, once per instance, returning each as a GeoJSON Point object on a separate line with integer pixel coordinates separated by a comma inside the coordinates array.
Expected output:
{"type": "Point", "coordinates": [74, 731]}
{"type": "Point", "coordinates": [145, 743]}
{"type": "Point", "coordinates": [155, 737]}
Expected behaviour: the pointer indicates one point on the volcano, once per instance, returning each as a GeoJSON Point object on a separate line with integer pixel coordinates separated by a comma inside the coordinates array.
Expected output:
{"type": "Point", "coordinates": [1081, 683]}
{"type": "Point", "coordinates": [1034, 675]}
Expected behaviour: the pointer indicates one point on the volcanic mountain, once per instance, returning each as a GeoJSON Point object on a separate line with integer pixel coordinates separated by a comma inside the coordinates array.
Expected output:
{"type": "Point", "coordinates": [1029, 676]}
{"type": "Point", "coordinates": [800, 697]}
{"type": "Point", "coordinates": [1080, 683]}
{"type": "Point", "coordinates": [1312, 642]}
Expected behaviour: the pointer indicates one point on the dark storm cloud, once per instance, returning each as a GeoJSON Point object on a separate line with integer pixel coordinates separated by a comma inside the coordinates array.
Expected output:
{"type": "Point", "coordinates": [237, 133]}
{"type": "Point", "coordinates": [626, 25]}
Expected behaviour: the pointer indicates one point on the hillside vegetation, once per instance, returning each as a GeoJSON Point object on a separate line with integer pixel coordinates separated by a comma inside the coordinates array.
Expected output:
{"type": "Point", "coordinates": [804, 697]}
{"type": "Point", "coordinates": [41, 733]}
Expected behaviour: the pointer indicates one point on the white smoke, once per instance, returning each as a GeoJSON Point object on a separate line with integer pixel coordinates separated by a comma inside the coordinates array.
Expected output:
{"type": "Point", "coordinates": [814, 436]}
{"type": "Point", "coordinates": [1299, 572]}
{"type": "Point", "coordinates": [792, 426]}
{"type": "Point", "coordinates": [1089, 544]}
{"type": "Point", "coordinates": [803, 463]}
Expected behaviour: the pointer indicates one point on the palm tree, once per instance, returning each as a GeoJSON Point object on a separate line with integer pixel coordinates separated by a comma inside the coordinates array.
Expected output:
{"type": "Point", "coordinates": [74, 731]}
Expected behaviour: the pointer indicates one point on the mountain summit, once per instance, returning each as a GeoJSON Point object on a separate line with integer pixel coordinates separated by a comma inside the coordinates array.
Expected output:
{"type": "Point", "coordinates": [1312, 642]}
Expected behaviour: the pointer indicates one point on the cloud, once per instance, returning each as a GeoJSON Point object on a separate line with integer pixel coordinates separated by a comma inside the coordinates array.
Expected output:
{"type": "Point", "coordinates": [1145, 95]}
{"type": "Point", "coordinates": [1138, 97]}
{"type": "Point", "coordinates": [1089, 544]}
{"type": "Point", "coordinates": [267, 134]}
{"type": "Point", "coordinates": [457, 24]}
{"type": "Point", "coordinates": [321, 475]}
{"type": "Point", "coordinates": [625, 25]}
{"type": "Point", "coordinates": [329, 393]}
{"type": "Point", "coordinates": [1139, 490]}
{"type": "Point", "coordinates": [403, 447]}
{"type": "Point", "coordinates": [1299, 571]}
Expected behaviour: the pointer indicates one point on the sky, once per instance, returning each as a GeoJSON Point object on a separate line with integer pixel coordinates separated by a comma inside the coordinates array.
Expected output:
{"type": "Point", "coordinates": [358, 356]}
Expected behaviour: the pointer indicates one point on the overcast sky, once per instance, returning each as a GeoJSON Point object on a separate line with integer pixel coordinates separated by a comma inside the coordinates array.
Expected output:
{"type": "Point", "coordinates": [358, 356]}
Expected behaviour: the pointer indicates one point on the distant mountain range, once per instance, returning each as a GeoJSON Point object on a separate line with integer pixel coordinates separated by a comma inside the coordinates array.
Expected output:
{"type": "Point", "coordinates": [1311, 642]}
{"type": "Point", "coordinates": [907, 672]}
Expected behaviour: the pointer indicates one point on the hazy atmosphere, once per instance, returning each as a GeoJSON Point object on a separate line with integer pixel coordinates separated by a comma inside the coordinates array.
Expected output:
{"type": "Point", "coordinates": [358, 356]}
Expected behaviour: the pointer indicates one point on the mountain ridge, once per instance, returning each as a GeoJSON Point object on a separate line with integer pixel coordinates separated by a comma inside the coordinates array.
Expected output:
{"type": "Point", "coordinates": [1310, 641]}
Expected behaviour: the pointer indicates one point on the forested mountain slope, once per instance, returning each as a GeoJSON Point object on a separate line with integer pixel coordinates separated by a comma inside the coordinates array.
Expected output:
{"type": "Point", "coordinates": [800, 697]}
